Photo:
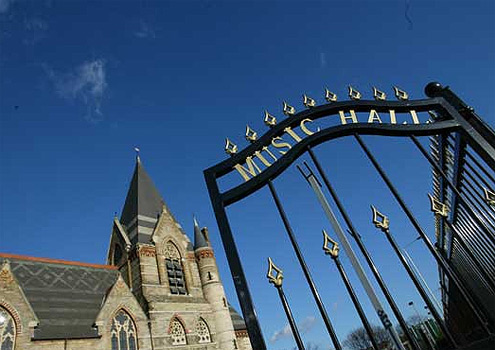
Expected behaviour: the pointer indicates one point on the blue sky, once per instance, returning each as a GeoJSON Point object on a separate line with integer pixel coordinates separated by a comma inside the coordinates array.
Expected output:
{"type": "Point", "coordinates": [83, 83]}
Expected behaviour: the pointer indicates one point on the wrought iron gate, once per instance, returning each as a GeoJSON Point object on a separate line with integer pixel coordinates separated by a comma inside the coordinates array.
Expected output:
{"type": "Point", "coordinates": [462, 158]}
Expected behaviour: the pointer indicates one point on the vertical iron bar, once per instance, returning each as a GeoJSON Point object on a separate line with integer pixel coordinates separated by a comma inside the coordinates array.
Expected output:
{"type": "Point", "coordinates": [238, 277]}
{"type": "Point", "coordinates": [290, 317]}
{"type": "Point", "coordinates": [393, 305]}
{"type": "Point", "coordinates": [460, 198]}
{"type": "Point", "coordinates": [416, 271]}
{"type": "Point", "coordinates": [475, 261]}
{"type": "Point", "coordinates": [316, 186]}
{"type": "Point", "coordinates": [420, 288]}
{"type": "Point", "coordinates": [440, 259]}
{"type": "Point", "coordinates": [356, 302]}
{"type": "Point", "coordinates": [304, 267]}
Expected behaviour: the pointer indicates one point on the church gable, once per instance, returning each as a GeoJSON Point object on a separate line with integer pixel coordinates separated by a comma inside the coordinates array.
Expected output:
{"type": "Point", "coordinates": [122, 316]}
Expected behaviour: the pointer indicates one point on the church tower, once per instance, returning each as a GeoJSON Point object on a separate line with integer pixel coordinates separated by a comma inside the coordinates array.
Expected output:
{"type": "Point", "coordinates": [176, 283]}
{"type": "Point", "coordinates": [213, 288]}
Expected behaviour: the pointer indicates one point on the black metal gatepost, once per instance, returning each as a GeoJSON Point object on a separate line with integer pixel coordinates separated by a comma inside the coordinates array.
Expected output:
{"type": "Point", "coordinates": [462, 159]}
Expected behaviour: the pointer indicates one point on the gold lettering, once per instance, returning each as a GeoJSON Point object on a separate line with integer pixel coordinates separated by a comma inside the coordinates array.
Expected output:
{"type": "Point", "coordinates": [393, 120]}
{"type": "Point", "coordinates": [304, 127]}
{"type": "Point", "coordinates": [260, 157]}
{"type": "Point", "coordinates": [352, 116]}
{"type": "Point", "coordinates": [281, 144]}
{"type": "Point", "coordinates": [267, 150]}
{"type": "Point", "coordinates": [252, 168]}
{"type": "Point", "coordinates": [414, 116]}
{"type": "Point", "coordinates": [374, 116]}
{"type": "Point", "coordinates": [291, 132]}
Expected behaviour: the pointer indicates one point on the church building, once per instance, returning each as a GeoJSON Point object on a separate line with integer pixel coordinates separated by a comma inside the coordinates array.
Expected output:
{"type": "Point", "coordinates": [157, 291]}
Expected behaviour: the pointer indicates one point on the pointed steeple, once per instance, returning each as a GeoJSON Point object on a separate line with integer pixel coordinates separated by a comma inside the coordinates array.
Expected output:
{"type": "Point", "coordinates": [199, 238]}
{"type": "Point", "coordinates": [142, 206]}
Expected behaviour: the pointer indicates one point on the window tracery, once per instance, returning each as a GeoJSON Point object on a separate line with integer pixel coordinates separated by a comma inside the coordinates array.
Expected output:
{"type": "Point", "coordinates": [175, 271]}
{"type": "Point", "coordinates": [123, 332]}
{"type": "Point", "coordinates": [203, 332]}
{"type": "Point", "coordinates": [7, 330]}
{"type": "Point", "coordinates": [177, 333]}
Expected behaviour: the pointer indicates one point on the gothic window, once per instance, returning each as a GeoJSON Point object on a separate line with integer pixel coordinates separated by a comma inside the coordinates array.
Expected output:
{"type": "Point", "coordinates": [177, 333]}
{"type": "Point", "coordinates": [203, 331]}
{"type": "Point", "coordinates": [7, 330]}
{"type": "Point", "coordinates": [123, 332]}
{"type": "Point", "coordinates": [175, 272]}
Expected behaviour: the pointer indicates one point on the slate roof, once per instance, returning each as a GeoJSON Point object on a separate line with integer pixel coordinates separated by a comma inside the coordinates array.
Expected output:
{"type": "Point", "coordinates": [237, 320]}
{"type": "Point", "coordinates": [142, 199]}
{"type": "Point", "coordinates": [65, 296]}
{"type": "Point", "coordinates": [199, 237]}
{"type": "Point", "coordinates": [143, 206]}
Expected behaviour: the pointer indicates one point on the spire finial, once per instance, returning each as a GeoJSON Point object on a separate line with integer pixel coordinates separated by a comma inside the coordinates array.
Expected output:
{"type": "Point", "coordinates": [136, 149]}
{"type": "Point", "coordinates": [199, 238]}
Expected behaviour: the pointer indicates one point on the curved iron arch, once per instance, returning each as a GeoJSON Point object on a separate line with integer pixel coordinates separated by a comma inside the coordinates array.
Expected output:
{"type": "Point", "coordinates": [245, 189]}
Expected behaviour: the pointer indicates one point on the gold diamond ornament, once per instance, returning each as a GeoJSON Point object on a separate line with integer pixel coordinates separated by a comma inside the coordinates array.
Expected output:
{"type": "Point", "coordinates": [379, 220]}
{"type": "Point", "coordinates": [437, 207]}
{"type": "Point", "coordinates": [330, 247]}
{"type": "Point", "coordinates": [330, 96]}
{"type": "Point", "coordinates": [354, 94]}
{"type": "Point", "coordinates": [274, 274]}
{"type": "Point", "coordinates": [251, 135]}
{"type": "Point", "coordinates": [230, 147]}
{"type": "Point", "coordinates": [289, 110]}
{"type": "Point", "coordinates": [308, 101]}
{"type": "Point", "coordinates": [401, 94]}
{"type": "Point", "coordinates": [379, 95]}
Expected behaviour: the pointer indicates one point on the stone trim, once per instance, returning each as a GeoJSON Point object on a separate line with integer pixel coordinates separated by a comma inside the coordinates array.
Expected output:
{"type": "Point", "coordinates": [15, 315]}
{"type": "Point", "coordinates": [55, 261]}
{"type": "Point", "coordinates": [148, 251]}
{"type": "Point", "coordinates": [203, 254]}
{"type": "Point", "coordinates": [241, 333]}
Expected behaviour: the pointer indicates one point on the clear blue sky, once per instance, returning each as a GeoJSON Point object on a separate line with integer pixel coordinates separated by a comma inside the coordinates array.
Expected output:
{"type": "Point", "coordinates": [82, 83]}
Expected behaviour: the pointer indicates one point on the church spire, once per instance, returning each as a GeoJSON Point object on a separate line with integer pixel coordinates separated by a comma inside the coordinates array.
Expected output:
{"type": "Point", "coordinates": [142, 206]}
{"type": "Point", "coordinates": [199, 238]}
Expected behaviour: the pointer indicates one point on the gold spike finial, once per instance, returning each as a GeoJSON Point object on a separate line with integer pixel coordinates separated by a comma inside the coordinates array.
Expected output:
{"type": "Point", "coordinates": [379, 95]}
{"type": "Point", "coordinates": [274, 274]}
{"type": "Point", "coordinates": [330, 247]}
{"type": "Point", "coordinates": [489, 196]}
{"type": "Point", "coordinates": [401, 94]}
{"type": "Point", "coordinates": [330, 96]}
{"type": "Point", "coordinates": [230, 147]}
{"type": "Point", "coordinates": [308, 101]}
{"type": "Point", "coordinates": [289, 110]}
{"type": "Point", "coordinates": [379, 220]}
{"type": "Point", "coordinates": [354, 94]}
{"type": "Point", "coordinates": [437, 207]}
{"type": "Point", "coordinates": [270, 120]}
{"type": "Point", "coordinates": [251, 135]}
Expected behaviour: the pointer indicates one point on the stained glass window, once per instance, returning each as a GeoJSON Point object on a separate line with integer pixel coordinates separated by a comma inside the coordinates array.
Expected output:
{"type": "Point", "coordinates": [203, 331]}
{"type": "Point", "coordinates": [7, 330]}
{"type": "Point", "coordinates": [123, 332]}
{"type": "Point", "coordinates": [175, 272]}
{"type": "Point", "coordinates": [177, 333]}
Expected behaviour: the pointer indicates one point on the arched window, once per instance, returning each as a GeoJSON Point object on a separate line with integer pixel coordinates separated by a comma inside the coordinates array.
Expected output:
{"type": "Point", "coordinates": [175, 272]}
{"type": "Point", "coordinates": [177, 333]}
{"type": "Point", "coordinates": [7, 330]}
{"type": "Point", "coordinates": [123, 332]}
{"type": "Point", "coordinates": [203, 332]}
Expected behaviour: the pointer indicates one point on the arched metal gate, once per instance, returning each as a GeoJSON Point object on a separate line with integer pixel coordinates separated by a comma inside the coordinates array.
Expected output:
{"type": "Point", "coordinates": [462, 158]}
